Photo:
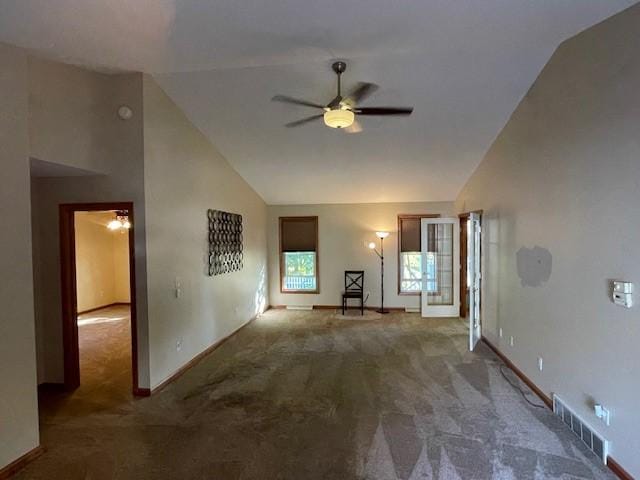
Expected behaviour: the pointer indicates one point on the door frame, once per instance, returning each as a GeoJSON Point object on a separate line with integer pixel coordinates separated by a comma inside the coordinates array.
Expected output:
{"type": "Point", "coordinates": [464, 218]}
{"type": "Point", "coordinates": [69, 289]}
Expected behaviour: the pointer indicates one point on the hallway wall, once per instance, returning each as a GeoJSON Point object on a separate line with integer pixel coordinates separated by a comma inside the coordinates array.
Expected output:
{"type": "Point", "coordinates": [102, 272]}
{"type": "Point", "coordinates": [184, 176]}
{"type": "Point", "coordinates": [73, 123]}
{"type": "Point", "coordinates": [560, 189]}
{"type": "Point", "coordinates": [18, 400]}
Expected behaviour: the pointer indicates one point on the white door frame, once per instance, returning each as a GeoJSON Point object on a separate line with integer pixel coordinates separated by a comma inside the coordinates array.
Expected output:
{"type": "Point", "coordinates": [441, 310]}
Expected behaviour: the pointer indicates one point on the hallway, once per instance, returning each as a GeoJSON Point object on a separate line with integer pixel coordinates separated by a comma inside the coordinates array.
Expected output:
{"type": "Point", "coordinates": [105, 368]}
{"type": "Point", "coordinates": [303, 395]}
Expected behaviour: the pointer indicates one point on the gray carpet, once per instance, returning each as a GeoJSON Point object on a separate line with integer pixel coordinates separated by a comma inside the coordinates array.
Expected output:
{"type": "Point", "coordinates": [303, 395]}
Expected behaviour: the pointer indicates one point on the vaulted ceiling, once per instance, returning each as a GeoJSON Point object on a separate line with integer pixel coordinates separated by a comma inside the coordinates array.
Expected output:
{"type": "Point", "coordinates": [463, 65]}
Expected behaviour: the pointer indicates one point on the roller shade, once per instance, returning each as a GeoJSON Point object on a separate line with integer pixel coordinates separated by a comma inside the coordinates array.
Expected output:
{"type": "Point", "coordinates": [409, 234]}
{"type": "Point", "coordinates": [299, 234]}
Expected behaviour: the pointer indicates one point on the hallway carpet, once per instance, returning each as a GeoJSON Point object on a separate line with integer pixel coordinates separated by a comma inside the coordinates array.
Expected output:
{"type": "Point", "coordinates": [303, 395]}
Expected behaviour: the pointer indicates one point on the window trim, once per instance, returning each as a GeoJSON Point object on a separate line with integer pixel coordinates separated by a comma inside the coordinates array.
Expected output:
{"type": "Point", "coordinates": [401, 217]}
{"type": "Point", "coordinates": [281, 220]}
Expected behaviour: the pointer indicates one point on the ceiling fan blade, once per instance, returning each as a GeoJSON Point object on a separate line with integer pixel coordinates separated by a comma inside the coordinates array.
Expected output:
{"type": "Point", "coordinates": [295, 101]}
{"type": "Point", "coordinates": [355, 127]}
{"type": "Point", "coordinates": [297, 123]}
{"type": "Point", "coordinates": [360, 92]}
{"type": "Point", "coordinates": [383, 111]}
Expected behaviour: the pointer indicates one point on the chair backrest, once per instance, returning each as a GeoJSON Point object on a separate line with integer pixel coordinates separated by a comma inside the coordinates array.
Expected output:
{"type": "Point", "coordinates": [354, 280]}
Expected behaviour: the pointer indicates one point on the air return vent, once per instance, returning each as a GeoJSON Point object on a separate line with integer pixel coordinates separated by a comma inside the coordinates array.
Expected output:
{"type": "Point", "coordinates": [299, 307]}
{"type": "Point", "coordinates": [591, 439]}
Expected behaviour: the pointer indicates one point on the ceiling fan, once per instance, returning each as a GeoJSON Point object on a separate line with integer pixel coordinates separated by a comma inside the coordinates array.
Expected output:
{"type": "Point", "coordinates": [341, 112]}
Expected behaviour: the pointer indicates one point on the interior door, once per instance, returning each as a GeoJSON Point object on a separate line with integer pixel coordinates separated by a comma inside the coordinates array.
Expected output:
{"type": "Point", "coordinates": [474, 276]}
{"type": "Point", "coordinates": [440, 243]}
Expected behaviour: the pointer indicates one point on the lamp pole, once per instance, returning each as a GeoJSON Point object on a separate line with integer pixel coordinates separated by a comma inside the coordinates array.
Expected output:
{"type": "Point", "coordinates": [372, 246]}
{"type": "Point", "coordinates": [382, 310]}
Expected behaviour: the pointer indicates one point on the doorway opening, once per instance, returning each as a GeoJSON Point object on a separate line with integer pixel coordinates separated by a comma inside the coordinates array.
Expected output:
{"type": "Point", "coordinates": [98, 298]}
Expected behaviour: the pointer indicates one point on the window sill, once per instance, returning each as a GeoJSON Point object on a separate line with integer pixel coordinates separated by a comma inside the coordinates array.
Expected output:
{"type": "Point", "coordinates": [316, 291]}
{"type": "Point", "coordinates": [409, 294]}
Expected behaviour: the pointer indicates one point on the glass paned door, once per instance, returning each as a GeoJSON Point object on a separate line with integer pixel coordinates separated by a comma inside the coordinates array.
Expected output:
{"type": "Point", "coordinates": [474, 277]}
{"type": "Point", "coordinates": [440, 267]}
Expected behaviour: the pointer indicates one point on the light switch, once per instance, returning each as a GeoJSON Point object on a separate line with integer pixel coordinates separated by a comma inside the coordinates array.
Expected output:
{"type": "Point", "coordinates": [178, 287]}
{"type": "Point", "coordinates": [623, 293]}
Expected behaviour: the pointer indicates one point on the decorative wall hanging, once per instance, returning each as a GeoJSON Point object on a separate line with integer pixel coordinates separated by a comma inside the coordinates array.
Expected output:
{"type": "Point", "coordinates": [225, 242]}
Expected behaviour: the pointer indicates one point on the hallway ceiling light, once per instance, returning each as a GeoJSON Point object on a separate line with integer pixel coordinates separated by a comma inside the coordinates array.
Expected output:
{"type": "Point", "coordinates": [121, 222]}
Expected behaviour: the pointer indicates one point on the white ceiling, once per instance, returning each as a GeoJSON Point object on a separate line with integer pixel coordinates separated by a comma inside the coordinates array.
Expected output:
{"type": "Point", "coordinates": [463, 65]}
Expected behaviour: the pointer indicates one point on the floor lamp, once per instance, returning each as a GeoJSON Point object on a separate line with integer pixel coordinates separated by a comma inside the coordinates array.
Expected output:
{"type": "Point", "coordinates": [372, 246]}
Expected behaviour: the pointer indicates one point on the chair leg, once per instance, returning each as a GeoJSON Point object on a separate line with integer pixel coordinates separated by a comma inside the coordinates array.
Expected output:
{"type": "Point", "coordinates": [344, 300]}
{"type": "Point", "coordinates": [362, 306]}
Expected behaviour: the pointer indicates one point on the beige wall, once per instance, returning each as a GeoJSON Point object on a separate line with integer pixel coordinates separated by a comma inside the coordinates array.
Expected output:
{"type": "Point", "coordinates": [121, 290]}
{"type": "Point", "coordinates": [344, 230]}
{"type": "Point", "coordinates": [184, 176]}
{"type": "Point", "coordinates": [102, 271]}
{"type": "Point", "coordinates": [73, 122]}
{"type": "Point", "coordinates": [564, 175]}
{"type": "Point", "coordinates": [18, 400]}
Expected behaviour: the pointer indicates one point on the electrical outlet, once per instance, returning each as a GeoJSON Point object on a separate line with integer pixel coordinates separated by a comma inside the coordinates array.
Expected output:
{"type": "Point", "coordinates": [511, 341]}
{"type": "Point", "coordinates": [500, 332]}
{"type": "Point", "coordinates": [178, 287]}
{"type": "Point", "coordinates": [540, 363]}
{"type": "Point", "coordinates": [178, 345]}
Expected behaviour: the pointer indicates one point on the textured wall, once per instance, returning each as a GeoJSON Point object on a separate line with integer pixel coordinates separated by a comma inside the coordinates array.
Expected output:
{"type": "Point", "coordinates": [184, 176]}
{"type": "Point", "coordinates": [344, 230]}
{"type": "Point", "coordinates": [560, 188]}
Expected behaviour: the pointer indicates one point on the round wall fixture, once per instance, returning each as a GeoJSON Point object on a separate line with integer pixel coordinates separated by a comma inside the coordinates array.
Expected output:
{"type": "Point", "coordinates": [124, 112]}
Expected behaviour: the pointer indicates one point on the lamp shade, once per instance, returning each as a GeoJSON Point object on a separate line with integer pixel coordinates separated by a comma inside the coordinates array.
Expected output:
{"type": "Point", "coordinates": [382, 234]}
{"type": "Point", "coordinates": [371, 245]}
{"type": "Point", "coordinates": [338, 118]}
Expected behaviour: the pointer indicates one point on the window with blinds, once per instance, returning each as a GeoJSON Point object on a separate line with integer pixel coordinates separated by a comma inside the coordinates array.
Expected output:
{"type": "Point", "coordinates": [409, 254]}
{"type": "Point", "coordinates": [299, 254]}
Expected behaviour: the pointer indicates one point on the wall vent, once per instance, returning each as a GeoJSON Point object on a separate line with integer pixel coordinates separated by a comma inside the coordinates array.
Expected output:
{"type": "Point", "coordinates": [588, 435]}
{"type": "Point", "coordinates": [412, 309]}
{"type": "Point", "coordinates": [299, 307]}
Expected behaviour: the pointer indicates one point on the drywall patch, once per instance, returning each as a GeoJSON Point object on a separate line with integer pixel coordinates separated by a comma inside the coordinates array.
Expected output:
{"type": "Point", "coordinates": [534, 266]}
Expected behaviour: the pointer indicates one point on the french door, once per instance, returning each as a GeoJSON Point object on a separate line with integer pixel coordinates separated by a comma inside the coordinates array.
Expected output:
{"type": "Point", "coordinates": [474, 275]}
{"type": "Point", "coordinates": [440, 240]}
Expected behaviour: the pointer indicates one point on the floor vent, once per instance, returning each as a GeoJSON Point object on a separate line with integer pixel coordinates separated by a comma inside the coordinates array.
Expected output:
{"type": "Point", "coordinates": [299, 307]}
{"type": "Point", "coordinates": [591, 439]}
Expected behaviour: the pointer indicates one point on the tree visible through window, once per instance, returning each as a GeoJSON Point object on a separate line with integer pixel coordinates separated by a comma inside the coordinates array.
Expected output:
{"type": "Point", "coordinates": [410, 257]}
{"type": "Point", "coordinates": [411, 274]}
{"type": "Point", "coordinates": [300, 271]}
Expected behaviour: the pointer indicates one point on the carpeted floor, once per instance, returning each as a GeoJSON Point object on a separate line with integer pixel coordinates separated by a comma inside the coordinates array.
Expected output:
{"type": "Point", "coordinates": [304, 395]}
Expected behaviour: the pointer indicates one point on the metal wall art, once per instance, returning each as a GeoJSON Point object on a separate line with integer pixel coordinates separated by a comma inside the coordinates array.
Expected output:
{"type": "Point", "coordinates": [225, 242]}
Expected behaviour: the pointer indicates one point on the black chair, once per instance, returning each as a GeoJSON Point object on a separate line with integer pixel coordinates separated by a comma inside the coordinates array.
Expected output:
{"type": "Point", "coordinates": [353, 288]}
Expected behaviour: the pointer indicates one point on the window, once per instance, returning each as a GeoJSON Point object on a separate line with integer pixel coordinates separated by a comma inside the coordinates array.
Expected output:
{"type": "Point", "coordinates": [410, 257]}
{"type": "Point", "coordinates": [411, 274]}
{"type": "Point", "coordinates": [299, 254]}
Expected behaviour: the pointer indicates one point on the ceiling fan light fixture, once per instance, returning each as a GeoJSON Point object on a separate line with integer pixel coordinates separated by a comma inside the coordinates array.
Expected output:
{"type": "Point", "coordinates": [339, 118]}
